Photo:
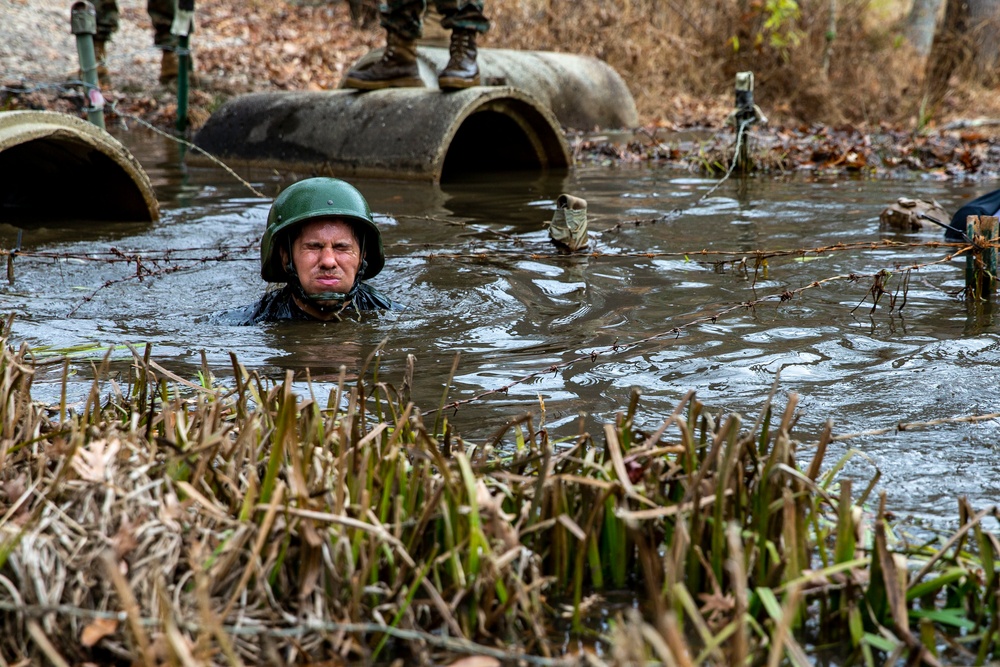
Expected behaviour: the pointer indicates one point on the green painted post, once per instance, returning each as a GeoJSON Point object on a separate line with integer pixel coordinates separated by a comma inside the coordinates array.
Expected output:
{"type": "Point", "coordinates": [182, 27]}
{"type": "Point", "coordinates": [83, 23]}
{"type": "Point", "coordinates": [981, 262]}
{"type": "Point", "coordinates": [183, 60]}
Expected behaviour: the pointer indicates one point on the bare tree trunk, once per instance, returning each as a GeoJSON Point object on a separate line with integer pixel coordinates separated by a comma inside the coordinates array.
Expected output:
{"type": "Point", "coordinates": [920, 24]}
{"type": "Point", "coordinates": [984, 29]}
{"type": "Point", "coordinates": [948, 52]}
{"type": "Point", "coordinates": [831, 34]}
{"type": "Point", "coordinates": [968, 36]}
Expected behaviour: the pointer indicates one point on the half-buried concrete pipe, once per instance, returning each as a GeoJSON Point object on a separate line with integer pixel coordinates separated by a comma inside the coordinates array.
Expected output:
{"type": "Point", "coordinates": [402, 133]}
{"type": "Point", "coordinates": [60, 167]}
{"type": "Point", "coordinates": [583, 92]}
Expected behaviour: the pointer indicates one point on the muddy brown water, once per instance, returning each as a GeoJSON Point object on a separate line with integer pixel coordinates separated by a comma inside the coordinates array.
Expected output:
{"type": "Point", "coordinates": [517, 307]}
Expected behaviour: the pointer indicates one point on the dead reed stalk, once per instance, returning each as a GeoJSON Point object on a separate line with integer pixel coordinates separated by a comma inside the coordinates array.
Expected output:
{"type": "Point", "coordinates": [192, 523]}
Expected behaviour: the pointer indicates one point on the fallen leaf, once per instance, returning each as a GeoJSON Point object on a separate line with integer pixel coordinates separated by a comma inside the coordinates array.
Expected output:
{"type": "Point", "coordinates": [97, 630]}
{"type": "Point", "coordinates": [476, 661]}
{"type": "Point", "coordinates": [15, 488]}
{"type": "Point", "coordinates": [94, 463]}
{"type": "Point", "coordinates": [124, 540]}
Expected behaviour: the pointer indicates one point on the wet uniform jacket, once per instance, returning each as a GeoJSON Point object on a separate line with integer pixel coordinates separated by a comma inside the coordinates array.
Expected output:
{"type": "Point", "coordinates": [279, 306]}
{"type": "Point", "coordinates": [987, 204]}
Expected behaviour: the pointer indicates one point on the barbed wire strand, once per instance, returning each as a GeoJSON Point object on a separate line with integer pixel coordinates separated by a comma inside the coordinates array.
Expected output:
{"type": "Point", "coordinates": [115, 255]}
{"type": "Point", "coordinates": [676, 330]}
{"type": "Point", "coordinates": [759, 255]}
{"type": "Point", "coordinates": [72, 85]}
{"type": "Point", "coordinates": [456, 644]}
{"type": "Point", "coordinates": [114, 109]}
{"type": "Point", "coordinates": [914, 426]}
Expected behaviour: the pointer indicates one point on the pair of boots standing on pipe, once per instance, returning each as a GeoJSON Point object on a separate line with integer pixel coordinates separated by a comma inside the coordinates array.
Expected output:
{"type": "Point", "coordinates": [402, 20]}
{"type": "Point", "coordinates": [161, 15]}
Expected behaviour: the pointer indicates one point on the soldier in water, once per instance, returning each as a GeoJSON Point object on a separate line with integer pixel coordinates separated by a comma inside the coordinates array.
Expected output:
{"type": "Point", "coordinates": [322, 243]}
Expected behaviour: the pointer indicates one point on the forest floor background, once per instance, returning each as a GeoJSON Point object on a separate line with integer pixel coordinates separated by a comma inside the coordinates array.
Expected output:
{"type": "Point", "coordinates": [241, 47]}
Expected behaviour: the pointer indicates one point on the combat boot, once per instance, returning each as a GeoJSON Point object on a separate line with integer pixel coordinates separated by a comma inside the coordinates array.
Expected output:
{"type": "Point", "coordinates": [461, 70]}
{"type": "Point", "coordinates": [169, 66]}
{"type": "Point", "coordinates": [101, 56]}
{"type": "Point", "coordinates": [397, 68]}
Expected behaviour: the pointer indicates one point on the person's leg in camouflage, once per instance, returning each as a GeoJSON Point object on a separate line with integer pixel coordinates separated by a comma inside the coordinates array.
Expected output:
{"type": "Point", "coordinates": [107, 25]}
{"type": "Point", "coordinates": [397, 68]}
{"type": "Point", "coordinates": [161, 14]}
{"type": "Point", "coordinates": [466, 21]}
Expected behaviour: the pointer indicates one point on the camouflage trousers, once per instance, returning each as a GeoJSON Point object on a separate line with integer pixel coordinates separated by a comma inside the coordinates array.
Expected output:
{"type": "Point", "coordinates": [161, 14]}
{"type": "Point", "coordinates": [405, 17]}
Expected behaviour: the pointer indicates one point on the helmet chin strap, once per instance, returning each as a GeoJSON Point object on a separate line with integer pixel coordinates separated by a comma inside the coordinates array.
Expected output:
{"type": "Point", "coordinates": [324, 301]}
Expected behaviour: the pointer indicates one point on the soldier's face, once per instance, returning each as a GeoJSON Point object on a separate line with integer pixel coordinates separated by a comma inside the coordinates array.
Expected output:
{"type": "Point", "coordinates": [326, 255]}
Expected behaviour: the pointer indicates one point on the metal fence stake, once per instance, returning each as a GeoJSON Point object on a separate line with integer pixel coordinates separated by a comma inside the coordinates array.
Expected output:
{"type": "Point", "coordinates": [83, 24]}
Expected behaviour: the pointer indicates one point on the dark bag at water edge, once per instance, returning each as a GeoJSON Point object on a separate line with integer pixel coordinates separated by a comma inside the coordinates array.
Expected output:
{"type": "Point", "coordinates": [987, 204]}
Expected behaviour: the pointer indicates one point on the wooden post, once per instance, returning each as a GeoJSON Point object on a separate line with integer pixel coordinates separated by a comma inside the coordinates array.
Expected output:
{"type": "Point", "coordinates": [981, 262]}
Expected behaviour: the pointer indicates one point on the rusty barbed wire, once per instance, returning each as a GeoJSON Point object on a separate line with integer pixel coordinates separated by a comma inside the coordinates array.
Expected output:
{"type": "Point", "coordinates": [115, 255]}
{"type": "Point", "coordinates": [675, 331]}
{"type": "Point", "coordinates": [738, 256]}
{"type": "Point", "coordinates": [74, 86]}
{"type": "Point", "coordinates": [113, 107]}
{"type": "Point", "coordinates": [914, 426]}
{"type": "Point", "coordinates": [140, 274]}
{"type": "Point", "coordinates": [457, 644]}
{"type": "Point", "coordinates": [147, 264]}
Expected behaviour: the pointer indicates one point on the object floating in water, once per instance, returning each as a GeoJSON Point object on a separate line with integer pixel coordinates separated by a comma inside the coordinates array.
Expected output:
{"type": "Point", "coordinates": [568, 229]}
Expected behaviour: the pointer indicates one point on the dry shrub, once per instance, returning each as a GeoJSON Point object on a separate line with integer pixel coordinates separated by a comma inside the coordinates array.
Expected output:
{"type": "Point", "coordinates": [673, 49]}
{"type": "Point", "coordinates": [658, 55]}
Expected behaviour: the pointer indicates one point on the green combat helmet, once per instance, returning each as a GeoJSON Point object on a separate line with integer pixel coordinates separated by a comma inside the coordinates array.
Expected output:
{"type": "Point", "coordinates": [315, 198]}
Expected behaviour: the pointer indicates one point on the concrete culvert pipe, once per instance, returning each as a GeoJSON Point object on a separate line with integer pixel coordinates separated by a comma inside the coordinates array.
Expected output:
{"type": "Point", "coordinates": [59, 167]}
{"type": "Point", "coordinates": [405, 133]}
{"type": "Point", "coordinates": [583, 92]}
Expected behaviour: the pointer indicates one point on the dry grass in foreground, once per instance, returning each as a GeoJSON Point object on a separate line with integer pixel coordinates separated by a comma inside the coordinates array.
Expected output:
{"type": "Point", "coordinates": [194, 523]}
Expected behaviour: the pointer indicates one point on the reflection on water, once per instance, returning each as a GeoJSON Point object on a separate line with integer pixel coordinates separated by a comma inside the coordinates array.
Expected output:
{"type": "Point", "coordinates": [473, 267]}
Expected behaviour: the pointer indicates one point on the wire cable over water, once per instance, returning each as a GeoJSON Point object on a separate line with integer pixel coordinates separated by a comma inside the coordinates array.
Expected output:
{"type": "Point", "coordinates": [187, 144]}
{"type": "Point", "coordinates": [148, 261]}
{"type": "Point", "coordinates": [675, 331]}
